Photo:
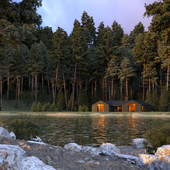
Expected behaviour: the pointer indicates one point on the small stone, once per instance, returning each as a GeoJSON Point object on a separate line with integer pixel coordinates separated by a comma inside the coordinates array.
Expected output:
{"type": "Point", "coordinates": [107, 159]}
{"type": "Point", "coordinates": [81, 161]}
{"type": "Point", "coordinates": [48, 160]}
{"type": "Point", "coordinates": [139, 143]}
{"type": "Point", "coordinates": [90, 162]}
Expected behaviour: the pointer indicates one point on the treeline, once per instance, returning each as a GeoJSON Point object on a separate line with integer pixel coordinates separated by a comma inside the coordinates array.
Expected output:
{"type": "Point", "coordinates": [86, 66]}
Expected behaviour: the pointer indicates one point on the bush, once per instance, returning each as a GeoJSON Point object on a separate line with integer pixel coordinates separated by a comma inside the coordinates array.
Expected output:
{"type": "Point", "coordinates": [44, 108]}
{"type": "Point", "coordinates": [24, 129]}
{"type": "Point", "coordinates": [52, 107]}
{"type": "Point", "coordinates": [86, 109]}
{"type": "Point", "coordinates": [80, 109]}
{"type": "Point", "coordinates": [33, 108]}
{"type": "Point", "coordinates": [58, 107]}
{"type": "Point", "coordinates": [39, 107]}
{"type": "Point", "coordinates": [48, 106]}
{"type": "Point", "coordinates": [158, 137]}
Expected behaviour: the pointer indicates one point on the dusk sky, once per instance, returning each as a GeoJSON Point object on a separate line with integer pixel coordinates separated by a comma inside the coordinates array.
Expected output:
{"type": "Point", "coordinates": [62, 13]}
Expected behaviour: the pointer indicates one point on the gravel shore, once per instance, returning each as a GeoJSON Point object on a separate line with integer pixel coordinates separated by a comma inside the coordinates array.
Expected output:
{"type": "Point", "coordinates": [62, 159]}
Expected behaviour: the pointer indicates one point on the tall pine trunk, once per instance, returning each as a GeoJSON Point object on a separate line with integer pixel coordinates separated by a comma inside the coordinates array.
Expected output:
{"type": "Point", "coordinates": [21, 87]}
{"type": "Point", "coordinates": [53, 91]}
{"type": "Point", "coordinates": [167, 81]}
{"type": "Point", "coordinates": [29, 85]}
{"type": "Point", "coordinates": [48, 81]}
{"type": "Point", "coordinates": [160, 79]}
{"type": "Point", "coordinates": [65, 92]}
{"type": "Point", "coordinates": [72, 108]}
{"type": "Point", "coordinates": [16, 94]}
{"type": "Point", "coordinates": [32, 89]}
{"type": "Point", "coordinates": [144, 83]}
{"type": "Point", "coordinates": [121, 91]}
{"type": "Point", "coordinates": [115, 89]}
{"type": "Point", "coordinates": [35, 91]}
{"type": "Point", "coordinates": [42, 78]}
{"type": "Point", "coordinates": [103, 87]}
{"type": "Point", "coordinates": [56, 77]}
{"type": "Point", "coordinates": [8, 87]}
{"type": "Point", "coordinates": [0, 94]}
{"type": "Point", "coordinates": [149, 84]}
{"type": "Point", "coordinates": [112, 89]}
{"type": "Point", "coordinates": [126, 87]}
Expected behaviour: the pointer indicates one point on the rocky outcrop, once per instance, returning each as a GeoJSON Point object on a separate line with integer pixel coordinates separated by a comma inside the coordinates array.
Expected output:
{"type": "Point", "coordinates": [163, 150]}
{"type": "Point", "coordinates": [139, 143]}
{"type": "Point", "coordinates": [14, 158]}
{"type": "Point", "coordinates": [159, 161]}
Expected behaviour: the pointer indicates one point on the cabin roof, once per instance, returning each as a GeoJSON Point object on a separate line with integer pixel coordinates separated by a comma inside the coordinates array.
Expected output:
{"type": "Point", "coordinates": [121, 102]}
{"type": "Point", "coordinates": [115, 103]}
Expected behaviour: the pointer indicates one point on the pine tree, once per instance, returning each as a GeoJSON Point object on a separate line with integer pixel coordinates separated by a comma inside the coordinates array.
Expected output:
{"type": "Point", "coordinates": [33, 108]}
{"type": "Point", "coordinates": [164, 102]}
{"type": "Point", "coordinates": [60, 99]}
{"type": "Point", "coordinates": [127, 69]}
{"type": "Point", "coordinates": [39, 107]}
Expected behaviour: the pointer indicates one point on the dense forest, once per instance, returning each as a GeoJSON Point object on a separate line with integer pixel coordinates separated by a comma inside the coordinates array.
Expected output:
{"type": "Point", "coordinates": [88, 65]}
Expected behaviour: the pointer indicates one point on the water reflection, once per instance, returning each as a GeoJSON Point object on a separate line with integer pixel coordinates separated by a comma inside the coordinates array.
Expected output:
{"type": "Point", "coordinates": [92, 130]}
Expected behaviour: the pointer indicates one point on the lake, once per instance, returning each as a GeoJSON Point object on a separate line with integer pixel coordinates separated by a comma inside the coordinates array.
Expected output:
{"type": "Point", "coordinates": [91, 130]}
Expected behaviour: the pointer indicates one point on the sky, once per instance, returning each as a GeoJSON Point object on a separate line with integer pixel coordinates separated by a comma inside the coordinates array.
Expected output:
{"type": "Point", "coordinates": [62, 13]}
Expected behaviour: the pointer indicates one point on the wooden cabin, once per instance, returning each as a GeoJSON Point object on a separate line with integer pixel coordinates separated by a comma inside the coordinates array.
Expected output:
{"type": "Point", "coordinates": [121, 106]}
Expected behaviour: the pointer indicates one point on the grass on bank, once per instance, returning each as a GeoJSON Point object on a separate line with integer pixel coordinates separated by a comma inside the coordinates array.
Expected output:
{"type": "Point", "coordinates": [25, 108]}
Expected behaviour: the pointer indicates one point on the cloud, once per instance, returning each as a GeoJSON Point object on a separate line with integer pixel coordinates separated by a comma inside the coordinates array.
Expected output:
{"type": "Point", "coordinates": [62, 13]}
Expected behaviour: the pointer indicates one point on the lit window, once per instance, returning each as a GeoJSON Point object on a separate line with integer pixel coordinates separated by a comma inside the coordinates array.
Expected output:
{"type": "Point", "coordinates": [119, 109]}
{"type": "Point", "coordinates": [132, 107]}
{"type": "Point", "coordinates": [143, 108]}
{"type": "Point", "coordinates": [100, 107]}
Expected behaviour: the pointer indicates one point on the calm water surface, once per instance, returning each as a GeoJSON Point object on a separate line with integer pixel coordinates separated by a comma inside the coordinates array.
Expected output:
{"type": "Point", "coordinates": [92, 130]}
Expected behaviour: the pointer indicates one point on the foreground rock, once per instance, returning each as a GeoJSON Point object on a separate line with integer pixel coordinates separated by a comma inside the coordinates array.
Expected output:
{"type": "Point", "coordinates": [139, 143]}
{"type": "Point", "coordinates": [14, 158]}
{"type": "Point", "coordinates": [62, 159]}
{"type": "Point", "coordinates": [5, 133]}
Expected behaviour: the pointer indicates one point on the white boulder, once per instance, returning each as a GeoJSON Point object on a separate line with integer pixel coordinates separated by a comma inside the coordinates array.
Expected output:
{"type": "Point", "coordinates": [14, 158]}
{"type": "Point", "coordinates": [147, 159]}
{"type": "Point", "coordinates": [73, 147]}
{"type": "Point", "coordinates": [129, 158]}
{"type": "Point", "coordinates": [139, 143]}
{"type": "Point", "coordinates": [163, 150]}
{"type": "Point", "coordinates": [108, 148]}
{"type": "Point", "coordinates": [12, 134]}
{"type": "Point", "coordinates": [154, 161]}
{"type": "Point", "coordinates": [33, 163]}
{"type": "Point", "coordinates": [10, 157]}
{"type": "Point", "coordinates": [4, 133]}
{"type": "Point", "coordinates": [91, 150]}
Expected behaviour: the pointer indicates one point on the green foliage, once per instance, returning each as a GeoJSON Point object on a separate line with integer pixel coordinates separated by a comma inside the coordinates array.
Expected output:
{"type": "Point", "coordinates": [83, 98]}
{"type": "Point", "coordinates": [158, 137]}
{"type": "Point", "coordinates": [83, 108]}
{"type": "Point", "coordinates": [33, 108]}
{"type": "Point", "coordinates": [48, 106]}
{"type": "Point", "coordinates": [164, 101]}
{"type": "Point", "coordinates": [52, 107]}
{"type": "Point", "coordinates": [44, 108]}
{"type": "Point", "coordinates": [24, 129]}
{"type": "Point", "coordinates": [58, 106]}
{"type": "Point", "coordinates": [149, 99]}
{"type": "Point", "coordinates": [86, 109]}
{"type": "Point", "coordinates": [60, 99]}
{"type": "Point", "coordinates": [39, 107]}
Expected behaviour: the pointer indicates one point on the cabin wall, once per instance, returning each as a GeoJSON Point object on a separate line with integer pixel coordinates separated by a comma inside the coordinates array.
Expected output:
{"type": "Point", "coordinates": [125, 107]}
{"type": "Point", "coordinates": [94, 106]}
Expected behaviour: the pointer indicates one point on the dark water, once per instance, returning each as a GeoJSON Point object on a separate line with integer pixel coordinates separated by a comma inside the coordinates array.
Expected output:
{"type": "Point", "coordinates": [92, 130]}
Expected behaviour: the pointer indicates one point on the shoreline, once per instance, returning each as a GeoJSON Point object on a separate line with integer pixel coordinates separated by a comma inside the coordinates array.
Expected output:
{"type": "Point", "coordinates": [104, 114]}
